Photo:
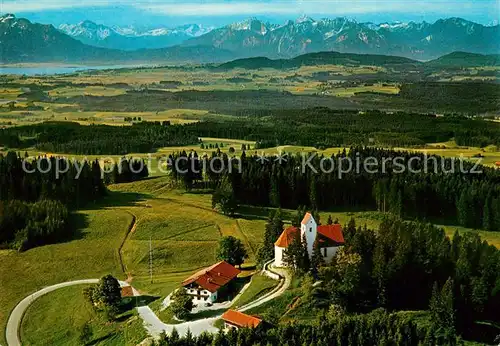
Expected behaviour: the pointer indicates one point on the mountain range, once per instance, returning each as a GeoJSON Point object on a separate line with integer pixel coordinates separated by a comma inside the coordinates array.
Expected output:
{"type": "Point", "coordinates": [129, 38]}
{"type": "Point", "coordinates": [23, 41]}
{"type": "Point", "coordinates": [420, 41]}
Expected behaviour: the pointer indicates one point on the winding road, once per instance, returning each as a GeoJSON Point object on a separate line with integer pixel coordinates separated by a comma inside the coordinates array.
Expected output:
{"type": "Point", "coordinates": [152, 323]}
{"type": "Point", "coordinates": [16, 316]}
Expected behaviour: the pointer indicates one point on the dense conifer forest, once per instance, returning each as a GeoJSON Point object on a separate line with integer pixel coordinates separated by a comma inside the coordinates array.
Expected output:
{"type": "Point", "coordinates": [73, 138]}
{"type": "Point", "coordinates": [409, 185]}
{"type": "Point", "coordinates": [317, 127]}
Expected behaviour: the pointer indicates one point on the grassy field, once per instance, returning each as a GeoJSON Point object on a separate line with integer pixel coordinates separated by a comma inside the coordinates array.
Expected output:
{"type": "Point", "coordinates": [54, 112]}
{"type": "Point", "coordinates": [184, 233]}
{"type": "Point", "coordinates": [259, 286]}
{"type": "Point", "coordinates": [92, 254]}
{"type": "Point", "coordinates": [58, 317]}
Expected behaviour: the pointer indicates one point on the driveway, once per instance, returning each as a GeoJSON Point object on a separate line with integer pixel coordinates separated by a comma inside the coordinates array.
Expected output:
{"type": "Point", "coordinates": [16, 316]}
{"type": "Point", "coordinates": [152, 323]}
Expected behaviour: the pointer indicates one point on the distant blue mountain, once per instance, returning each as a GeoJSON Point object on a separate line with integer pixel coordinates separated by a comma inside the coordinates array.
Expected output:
{"type": "Point", "coordinates": [130, 38]}
{"type": "Point", "coordinates": [422, 41]}
{"type": "Point", "coordinates": [21, 40]}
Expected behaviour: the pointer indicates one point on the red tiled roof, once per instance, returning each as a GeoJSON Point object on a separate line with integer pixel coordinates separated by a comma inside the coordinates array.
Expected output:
{"type": "Point", "coordinates": [306, 218]}
{"type": "Point", "coordinates": [287, 237]}
{"type": "Point", "coordinates": [214, 277]}
{"type": "Point", "coordinates": [240, 319]}
{"type": "Point", "coordinates": [127, 291]}
{"type": "Point", "coordinates": [333, 232]}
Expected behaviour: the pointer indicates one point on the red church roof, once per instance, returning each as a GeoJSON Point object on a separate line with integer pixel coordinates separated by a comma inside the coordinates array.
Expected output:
{"type": "Point", "coordinates": [333, 232]}
{"type": "Point", "coordinates": [306, 218]}
{"type": "Point", "coordinates": [287, 237]}
{"type": "Point", "coordinates": [240, 319]}
{"type": "Point", "coordinates": [214, 277]}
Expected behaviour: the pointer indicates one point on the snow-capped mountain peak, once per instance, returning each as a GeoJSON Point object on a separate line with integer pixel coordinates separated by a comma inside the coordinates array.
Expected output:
{"type": "Point", "coordinates": [304, 19]}
{"type": "Point", "coordinates": [7, 17]}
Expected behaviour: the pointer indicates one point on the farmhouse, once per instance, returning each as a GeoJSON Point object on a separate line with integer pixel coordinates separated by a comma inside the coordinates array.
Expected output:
{"type": "Point", "coordinates": [210, 283]}
{"type": "Point", "coordinates": [330, 239]}
{"type": "Point", "coordinates": [235, 319]}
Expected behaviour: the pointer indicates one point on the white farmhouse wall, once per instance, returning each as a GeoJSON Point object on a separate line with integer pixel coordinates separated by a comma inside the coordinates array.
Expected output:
{"type": "Point", "coordinates": [210, 297]}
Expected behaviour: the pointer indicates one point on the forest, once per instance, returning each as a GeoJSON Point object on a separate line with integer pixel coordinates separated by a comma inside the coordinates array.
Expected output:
{"type": "Point", "coordinates": [37, 194]}
{"type": "Point", "coordinates": [317, 127]}
{"type": "Point", "coordinates": [323, 128]}
{"type": "Point", "coordinates": [378, 328]}
{"type": "Point", "coordinates": [409, 185]}
{"type": "Point", "coordinates": [73, 138]}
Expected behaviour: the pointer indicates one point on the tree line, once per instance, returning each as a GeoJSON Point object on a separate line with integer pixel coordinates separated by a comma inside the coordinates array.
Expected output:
{"type": "Point", "coordinates": [318, 127]}
{"type": "Point", "coordinates": [27, 225]}
{"type": "Point", "coordinates": [433, 187]}
{"type": "Point", "coordinates": [73, 138]}
{"type": "Point", "coordinates": [378, 328]}
{"type": "Point", "coordinates": [323, 127]}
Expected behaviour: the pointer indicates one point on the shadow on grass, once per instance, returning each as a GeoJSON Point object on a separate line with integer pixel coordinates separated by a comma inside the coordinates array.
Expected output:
{"type": "Point", "coordinates": [117, 199]}
{"type": "Point", "coordinates": [98, 340]}
{"type": "Point", "coordinates": [130, 303]}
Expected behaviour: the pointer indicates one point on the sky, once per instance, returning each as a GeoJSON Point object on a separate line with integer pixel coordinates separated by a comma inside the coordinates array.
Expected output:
{"type": "Point", "coordinates": [170, 13]}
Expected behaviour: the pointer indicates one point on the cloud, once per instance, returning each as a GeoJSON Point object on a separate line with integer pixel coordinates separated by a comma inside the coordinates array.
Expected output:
{"type": "Point", "coordinates": [208, 8]}
{"type": "Point", "coordinates": [20, 6]}
{"type": "Point", "coordinates": [326, 7]}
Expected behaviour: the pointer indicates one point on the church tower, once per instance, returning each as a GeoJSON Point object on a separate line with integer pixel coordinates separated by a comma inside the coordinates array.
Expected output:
{"type": "Point", "coordinates": [309, 227]}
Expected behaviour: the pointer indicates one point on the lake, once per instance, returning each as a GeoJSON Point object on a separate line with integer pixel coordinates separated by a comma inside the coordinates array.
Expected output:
{"type": "Point", "coordinates": [50, 70]}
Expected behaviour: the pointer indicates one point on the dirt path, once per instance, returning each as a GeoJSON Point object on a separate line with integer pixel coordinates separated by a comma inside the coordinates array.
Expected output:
{"type": "Point", "coordinates": [131, 230]}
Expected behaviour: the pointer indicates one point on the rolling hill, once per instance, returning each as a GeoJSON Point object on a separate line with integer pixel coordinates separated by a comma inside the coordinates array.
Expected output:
{"type": "Point", "coordinates": [463, 59]}
{"type": "Point", "coordinates": [320, 58]}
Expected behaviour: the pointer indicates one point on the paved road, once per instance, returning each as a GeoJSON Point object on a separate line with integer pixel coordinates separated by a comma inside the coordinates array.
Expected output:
{"type": "Point", "coordinates": [16, 316]}
{"type": "Point", "coordinates": [152, 323]}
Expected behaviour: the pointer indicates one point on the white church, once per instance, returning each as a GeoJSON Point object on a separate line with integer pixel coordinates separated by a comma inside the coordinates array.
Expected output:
{"type": "Point", "coordinates": [330, 239]}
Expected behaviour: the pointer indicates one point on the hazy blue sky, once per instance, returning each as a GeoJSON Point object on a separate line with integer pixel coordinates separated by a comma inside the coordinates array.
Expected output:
{"type": "Point", "coordinates": [218, 12]}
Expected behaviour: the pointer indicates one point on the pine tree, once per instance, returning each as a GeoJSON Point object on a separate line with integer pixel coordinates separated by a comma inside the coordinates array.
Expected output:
{"type": "Point", "coordinates": [273, 229]}
{"type": "Point", "coordinates": [317, 260]}
{"type": "Point", "coordinates": [313, 201]}
{"type": "Point", "coordinates": [442, 310]}
{"type": "Point", "coordinates": [487, 214]}
{"type": "Point", "coordinates": [274, 193]}
{"type": "Point", "coordinates": [304, 260]}
{"type": "Point", "coordinates": [293, 254]}
{"type": "Point", "coordinates": [463, 208]}
{"type": "Point", "coordinates": [330, 220]}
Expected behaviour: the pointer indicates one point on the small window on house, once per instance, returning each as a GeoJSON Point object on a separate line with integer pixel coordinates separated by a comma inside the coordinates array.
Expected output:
{"type": "Point", "coordinates": [310, 229]}
{"type": "Point", "coordinates": [324, 251]}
